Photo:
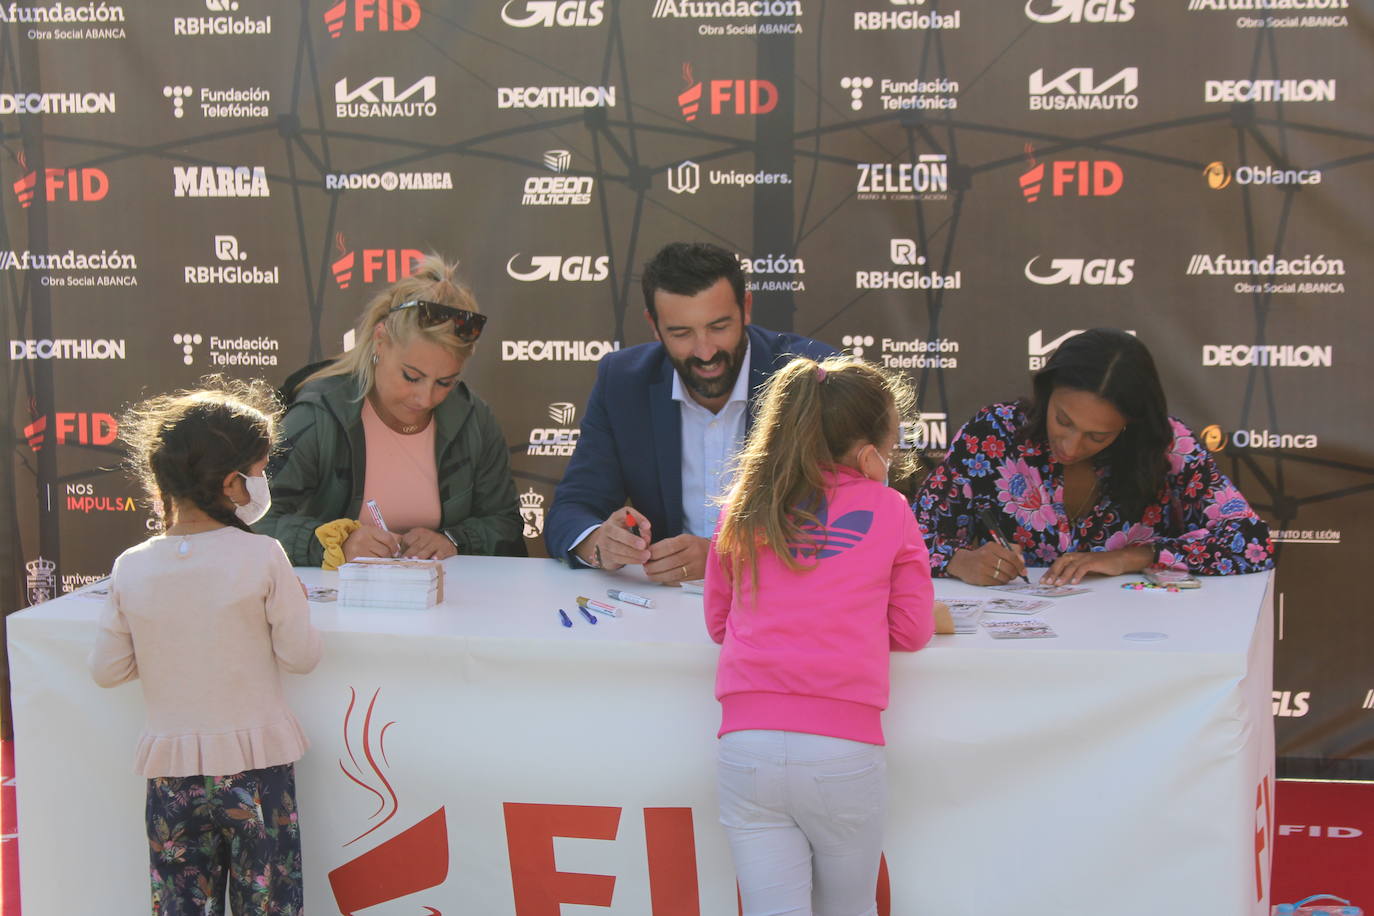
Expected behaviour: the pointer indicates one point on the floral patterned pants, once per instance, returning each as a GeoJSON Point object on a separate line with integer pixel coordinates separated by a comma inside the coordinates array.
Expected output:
{"type": "Point", "coordinates": [209, 833]}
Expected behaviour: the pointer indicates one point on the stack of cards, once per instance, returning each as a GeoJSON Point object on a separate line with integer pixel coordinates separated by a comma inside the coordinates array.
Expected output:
{"type": "Point", "coordinates": [1029, 628]}
{"type": "Point", "coordinates": [403, 584]}
{"type": "Point", "coordinates": [965, 613]}
{"type": "Point", "coordinates": [1041, 591]}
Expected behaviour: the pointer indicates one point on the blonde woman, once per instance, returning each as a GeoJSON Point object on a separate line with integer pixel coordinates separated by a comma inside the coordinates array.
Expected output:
{"type": "Point", "coordinates": [392, 421]}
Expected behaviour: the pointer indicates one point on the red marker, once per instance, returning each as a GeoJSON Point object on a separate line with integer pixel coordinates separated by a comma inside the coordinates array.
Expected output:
{"type": "Point", "coordinates": [632, 524]}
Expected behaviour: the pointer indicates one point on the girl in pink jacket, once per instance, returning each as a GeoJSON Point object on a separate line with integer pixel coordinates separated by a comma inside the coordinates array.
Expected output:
{"type": "Point", "coordinates": [816, 572]}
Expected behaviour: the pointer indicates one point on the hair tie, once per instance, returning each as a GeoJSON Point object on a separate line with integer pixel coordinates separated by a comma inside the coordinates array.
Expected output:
{"type": "Point", "coordinates": [820, 374]}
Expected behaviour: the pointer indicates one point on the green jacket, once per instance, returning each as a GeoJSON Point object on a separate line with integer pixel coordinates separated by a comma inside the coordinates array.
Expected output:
{"type": "Point", "coordinates": [319, 475]}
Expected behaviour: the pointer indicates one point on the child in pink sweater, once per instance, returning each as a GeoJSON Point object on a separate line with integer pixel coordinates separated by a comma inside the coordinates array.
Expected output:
{"type": "Point", "coordinates": [816, 572]}
{"type": "Point", "coordinates": [206, 615]}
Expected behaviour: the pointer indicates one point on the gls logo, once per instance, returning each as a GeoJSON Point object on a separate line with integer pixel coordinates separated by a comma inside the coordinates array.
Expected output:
{"type": "Point", "coordinates": [744, 97]}
{"type": "Point", "coordinates": [1288, 703]}
{"type": "Point", "coordinates": [1077, 89]}
{"type": "Point", "coordinates": [1081, 271]}
{"type": "Point", "coordinates": [551, 13]}
{"type": "Point", "coordinates": [80, 428]}
{"type": "Point", "coordinates": [555, 267]}
{"type": "Point", "coordinates": [378, 15]}
{"type": "Point", "coordinates": [1080, 11]}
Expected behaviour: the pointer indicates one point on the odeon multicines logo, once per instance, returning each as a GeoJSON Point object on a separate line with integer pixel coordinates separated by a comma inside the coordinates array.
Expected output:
{"type": "Point", "coordinates": [773, 273]}
{"type": "Point", "coordinates": [1290, 90]}
{"type": "Point", "coordinates": [936, 353]}
{"type": "Point", "coordinates": [228, 351]}
{"type": "Point", "coordinates": [556, 441]}
{"type": "Point", "coordinates": [907, 17]}
{"type": "Point", "coordinates": [549, 14]}
{"type": "Point", "coordinates": [903, 95]}
{"type": "Point", "coordinates": [372, 264]}
{"type": "Point", "coordinates": [372, 16]}
{"type": "Point", "coordinates": [543, 97]}
{"type": "Point", "coordinates": [61, 186]}
{"type": "Point", "coordinates": [1276, 356]}
{"type": "Point", "coordinates": [1218, 176]}
{"type": "Point", "coordinates": [1050, 12]}
{"type": "Point", "coordinates": [927, 178]}
{"type": "Point", "coordinates": [78, 428]}
{"type": "Point", "coordinates": [1082, 271]}
{"type": "Point", "coordinates": [929, 430]}
{"type": "Point", "coordinates": [1273, 274]}
{"type": "Point", "coordinates": [223, 20]}
{"type": "Point", "coordinates": [379, 97]}
{"type": "Point", "coordinates": [220, 181]}
{"type": "Point", "coordinates": [217, 104]}
{"type": "Point", "coordinates": [915, 275]}
{"type": "Point", "coordinates": [716, 16]}
{"type": "Point", "coordinates": [685, 178]}
{"type": "Point", "coordinates": [1304, 14]}
{"type": "Point", "coordinates": [1070, 177]}
{"type": "Point", "coordinates": [93, 268]}
{"type": "Point", "coordinates": [1040, 349]}
{"type": "Point", "coordinates": [231, 271]}
{"type": "Point", "coordinates": [556, 267]}
{"type": "Point", "coordinates": [66, 21]}
{"type": "Point", "coordinates": [1080, 89]}
{"type": "Point", "coordinates": [560, 351]}
{"type": "Point", "coordinates": [559, 189]}
{"type": "Point", "coordinates": [725, 96]}
{"type": "Point", "coordinates": [57, 103]}
{"type": "Point", "coordinates": [1217, 439]}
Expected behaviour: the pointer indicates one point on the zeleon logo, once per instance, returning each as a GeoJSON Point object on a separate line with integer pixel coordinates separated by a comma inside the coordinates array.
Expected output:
{"type": "Point", "coordinates": [741, 97]}
{"type": "Point", "coordinates": [72, 185]}
{"type": "Point", "coordinates": [78, 428]}
{"type": "Point", "coordinates": [389, 264]}
{"type": "Point", "coordinates": [372, 15]}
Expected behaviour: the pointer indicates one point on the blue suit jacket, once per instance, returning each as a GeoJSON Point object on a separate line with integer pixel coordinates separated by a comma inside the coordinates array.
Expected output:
{"type": "Point", "coordinates": [630, 445]}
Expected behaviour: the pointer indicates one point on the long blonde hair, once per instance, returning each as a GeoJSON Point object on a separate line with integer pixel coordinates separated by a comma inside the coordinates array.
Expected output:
{"type": "Point", "coordinates": [434, 280]}
{"type": "Point", "coordinates": [810, 415]}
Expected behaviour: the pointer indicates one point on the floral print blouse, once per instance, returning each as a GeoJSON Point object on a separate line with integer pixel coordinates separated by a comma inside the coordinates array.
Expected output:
{"type": "Point", "coordinates": [1199, 521]}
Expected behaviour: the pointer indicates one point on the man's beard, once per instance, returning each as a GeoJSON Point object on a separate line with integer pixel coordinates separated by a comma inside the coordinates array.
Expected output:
{"type": "Point", "coordinates": [719, 386]}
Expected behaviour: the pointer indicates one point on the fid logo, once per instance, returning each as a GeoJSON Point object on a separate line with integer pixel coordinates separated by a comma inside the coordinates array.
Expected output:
{"type": "Point", "coordinates": [745, 97]}
{"type": "Point", "coordinates": [380, 15]}
{"type": "Point", "coordinates": [73, 185]}
{"type": "Point", "coordinates": [391, 264]}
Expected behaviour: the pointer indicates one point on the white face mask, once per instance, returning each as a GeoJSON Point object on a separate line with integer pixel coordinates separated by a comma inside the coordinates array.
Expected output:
{"type": "Point", "coordinates": [259, 499]}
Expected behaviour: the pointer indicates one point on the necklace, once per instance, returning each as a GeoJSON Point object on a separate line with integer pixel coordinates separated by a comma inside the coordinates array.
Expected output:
{"type": "Point", "coordinates": [1087, 501]}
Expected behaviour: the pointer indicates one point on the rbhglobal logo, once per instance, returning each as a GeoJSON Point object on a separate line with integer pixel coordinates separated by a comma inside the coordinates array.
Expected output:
{"type": "Point", "coordinates": [916, 275]}
{"type": "Point", "coordinates": [222, 19]}
{"type": "Point", "coordinates": [907, 16]}
{"type": "Point", "coordinates": [231, 271]}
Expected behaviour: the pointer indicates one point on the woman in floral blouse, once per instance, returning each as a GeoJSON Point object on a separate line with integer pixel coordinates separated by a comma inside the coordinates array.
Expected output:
{"type": "Point", "coordinates": [1091, 475]}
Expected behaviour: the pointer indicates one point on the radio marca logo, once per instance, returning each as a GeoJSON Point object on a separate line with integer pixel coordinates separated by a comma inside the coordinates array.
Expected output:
{"type": "Point", "coordinates": [725, 96]}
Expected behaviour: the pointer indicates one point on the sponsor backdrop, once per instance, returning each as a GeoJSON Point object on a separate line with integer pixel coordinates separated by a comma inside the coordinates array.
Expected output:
{"type": "Point", "coordinates": [949, 188]}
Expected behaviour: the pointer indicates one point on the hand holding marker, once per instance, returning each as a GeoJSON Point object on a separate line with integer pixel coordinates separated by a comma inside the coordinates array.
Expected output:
{"type": "Point", "coordinates": [995, 531]}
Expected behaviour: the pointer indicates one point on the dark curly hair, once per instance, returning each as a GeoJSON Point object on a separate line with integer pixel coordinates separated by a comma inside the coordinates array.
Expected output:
{"type": "Point", "coordinates": [182, 445]}
{"type": "Point", "coordinates": [1117, 368]}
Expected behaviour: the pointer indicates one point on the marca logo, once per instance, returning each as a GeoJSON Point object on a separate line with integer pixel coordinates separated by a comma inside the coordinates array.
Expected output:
{"type": "Point", "coordinates": [927, 177]}
{"type": "Point", "coordinates": [551, 13]}
{"type": "Point", "coordinates": [84, 185]}
{"type": "Point", "coordinates": [230, 351]}
{"type": "Point", "coordinates": [556, 441]}
{"type": "Point", "coordinates": [1277, 355]}
{"type": "Point", "coordinates": [81, 497]}
{"type": "Point", "coordinates": [1215, 439]}
{"type": "Point", "coordinates": [1078, 89]}
{"type": "Point", "coordinates": [372, 16]}
{"type": "Point", "coordinates": [1040, 350]}
{"type": "Point", "coordinates": [67, 348]}
{"type": "Point", "coordinates": [730, 96]}
{"type": "Point", "coordinates": [234, 273]}
{"type": "Point", "coordinates": [220, 181]}
{"type": "Point", "coordinates": [57, 103]}
{"type": "Point", "coordinates": [222, 24]}
{"type": "Point", "coordinates": [1291, 703]}
{"type": "Point", "coordinates": [567, 351]}
{"type": "Point", "coordinates": [1219, 176]}
{"type": "Point", "coordinates": [1084, 271]}
{"type": "Point", "coordinates": [929, 431]}
{"type": "Point", "coordinates": [1052, 11]}
{"type": "Point", "coordinates": [72, 428]}
{"type": "Point", "coordinates": [557, 190]}
{"type": "Point", "coordinates": [379, 98]}
{"type": "Point", "coordinates": [554, 267]}
{"type": "Point", "coordinates": [532, 513]}
{"type": "Point", "coordinates": [221, 103]}
{"type": "Point", "coordinates": [903, 95]}
{"type": "Point", "coordinates": [1307, 90]}
{"type": "Point", "coordinates": [1071, 177]}
{"type": "Point", "coordinates": [386, 264]}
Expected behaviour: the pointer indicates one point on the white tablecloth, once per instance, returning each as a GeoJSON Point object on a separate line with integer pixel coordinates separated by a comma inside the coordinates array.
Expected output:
{"type": "Point", "coordinates": [495, 762]}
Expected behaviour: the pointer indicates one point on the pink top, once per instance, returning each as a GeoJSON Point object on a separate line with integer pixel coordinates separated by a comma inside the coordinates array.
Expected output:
{"type": "Point", "coordinates": [401, 475]}
{"type": "Point", "coordinates": [207, 632]}
{"type": "Point", "coordinates": [808, 651]}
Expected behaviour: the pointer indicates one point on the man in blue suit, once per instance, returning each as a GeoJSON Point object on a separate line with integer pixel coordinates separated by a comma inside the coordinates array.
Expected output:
{"type": "Point", "coordinates": [664, 420]}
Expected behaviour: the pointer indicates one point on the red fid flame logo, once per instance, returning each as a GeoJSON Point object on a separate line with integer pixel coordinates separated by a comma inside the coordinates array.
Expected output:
{"type": "Point", "coordinates": [80, 184]}
{"type": "Point", "coordinates": [690, 100]}
{"type": "Point", "coordinates": [78, 428]}
{"type": "Point", "coordinates": [343, 267]}
{"type": "Point", "coordinates": [1031, 180]}
{"type": "Point", "coordinates": [24, 188]}
{"type": "Point", "coordinates": [414, 860]}
{"type": "Point", "coordinates": [334, 18]}
{"type": "Point", "coordinates": [34, 432]}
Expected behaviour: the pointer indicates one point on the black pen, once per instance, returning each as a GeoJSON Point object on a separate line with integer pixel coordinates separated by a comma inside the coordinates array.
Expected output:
{"type": "Point", "coordinates": [990, 522]}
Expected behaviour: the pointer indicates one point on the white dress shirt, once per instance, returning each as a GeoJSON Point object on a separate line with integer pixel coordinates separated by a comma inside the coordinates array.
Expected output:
{"type": "Point", "coordinates": [710, 442]}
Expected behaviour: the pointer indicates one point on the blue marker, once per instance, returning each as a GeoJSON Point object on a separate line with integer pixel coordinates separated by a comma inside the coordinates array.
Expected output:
{"type": "Point", "coordinates": [563, 615]}
{"type": "Point", "coordinates": [587, 614]}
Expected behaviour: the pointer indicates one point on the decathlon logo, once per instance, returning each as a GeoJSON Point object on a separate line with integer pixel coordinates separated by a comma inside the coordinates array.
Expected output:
{"type": "Point", "coordinates": [1084, 271]}
{"type": "Point", "coordinates": [372, 16]}
{"type": "Point", "coordinates": [551, 13]}
{"type": "Point", "coordinates": [1304, 90]}
{"type": "Point", "coordinates": [220, 181]}
{"type": "Point", "coordinates": [725, 96]}
{"type": "Point", "coordinates": [1052, 11]}
{"type": "Point", "coordinates": [555, 267]}
{"type": "Point", "coordinates": [379, 98]}
{"type": "Point", "coordinates": [1078, 89]}
{"type": "Point", "coordinates": [684, 178]}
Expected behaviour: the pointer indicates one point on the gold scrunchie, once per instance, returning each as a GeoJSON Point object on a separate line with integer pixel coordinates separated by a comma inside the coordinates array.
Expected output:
{"type": "Point", "coordinates": [332, 535]}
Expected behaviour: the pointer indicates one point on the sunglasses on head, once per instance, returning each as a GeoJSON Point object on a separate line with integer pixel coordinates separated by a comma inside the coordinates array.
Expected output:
{"type": "Point", "coordinates": [467, 326]}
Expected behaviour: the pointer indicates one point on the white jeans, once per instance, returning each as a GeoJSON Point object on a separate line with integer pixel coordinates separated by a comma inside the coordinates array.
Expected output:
{"type": "Point", "coordinates": [804, 815]}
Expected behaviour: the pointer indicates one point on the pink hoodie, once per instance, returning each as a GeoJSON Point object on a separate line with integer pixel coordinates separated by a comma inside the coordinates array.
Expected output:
{"type": "Point", "coordinates": [808, 652]}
